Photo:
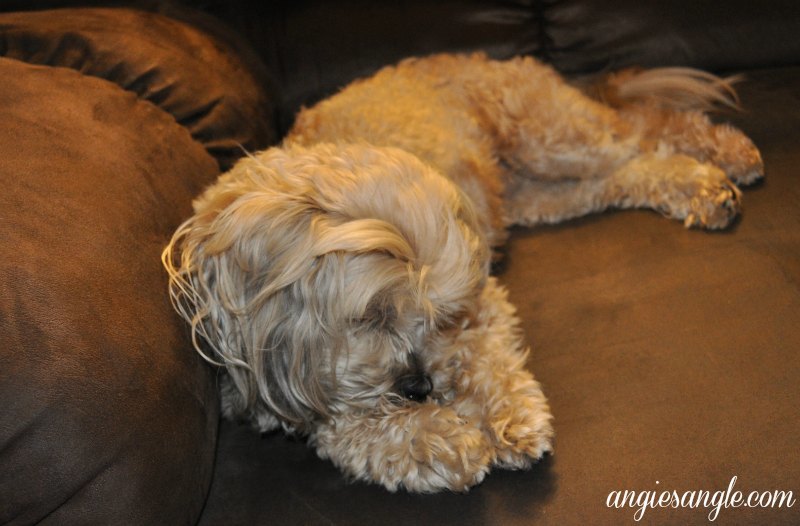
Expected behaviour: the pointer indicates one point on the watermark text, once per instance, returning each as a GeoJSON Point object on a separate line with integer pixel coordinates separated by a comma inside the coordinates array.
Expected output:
{"type": "Point", "coordinates": [714, 501]}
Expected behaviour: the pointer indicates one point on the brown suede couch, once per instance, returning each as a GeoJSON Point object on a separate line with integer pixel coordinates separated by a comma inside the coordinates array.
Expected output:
{"type": "Point", "coordinates": [670, 356]}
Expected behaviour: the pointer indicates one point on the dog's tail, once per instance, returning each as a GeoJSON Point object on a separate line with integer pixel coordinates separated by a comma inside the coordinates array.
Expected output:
{"type": "Point", "coordinates": [677, 87]}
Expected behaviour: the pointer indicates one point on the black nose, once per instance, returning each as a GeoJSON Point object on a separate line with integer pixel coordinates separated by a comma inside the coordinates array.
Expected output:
{"type": "Point", "coordinates": [415, 387]}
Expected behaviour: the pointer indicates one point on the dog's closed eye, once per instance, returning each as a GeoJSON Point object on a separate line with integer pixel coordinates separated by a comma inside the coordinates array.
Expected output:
{"type": "Point", "coordinates": [460, 319]}
{"type": "Point", "coordinates": [376, 317]}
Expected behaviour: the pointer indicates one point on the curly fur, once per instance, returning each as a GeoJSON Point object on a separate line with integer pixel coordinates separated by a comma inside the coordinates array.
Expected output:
{"type": "Point", "coordinates": [342, 279]}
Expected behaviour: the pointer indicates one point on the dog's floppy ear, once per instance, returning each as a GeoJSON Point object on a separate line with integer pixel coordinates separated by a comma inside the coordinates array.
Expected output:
{"type": "Point", "coordinates": [235, 268]}
{"type": "Point", "coordinates": [258, 273]}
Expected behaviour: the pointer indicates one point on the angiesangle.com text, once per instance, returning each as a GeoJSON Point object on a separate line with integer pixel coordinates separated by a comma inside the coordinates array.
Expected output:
{"type": "Point", "coordinates": [714, 501]}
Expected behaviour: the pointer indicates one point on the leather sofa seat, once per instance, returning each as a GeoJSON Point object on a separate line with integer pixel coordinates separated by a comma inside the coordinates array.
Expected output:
{"type": "Point", "coordinates": [669, 356]}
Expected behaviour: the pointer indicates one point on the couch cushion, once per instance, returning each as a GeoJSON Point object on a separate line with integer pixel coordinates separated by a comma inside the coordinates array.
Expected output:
{"type": "Point", "coordinates": [202, 81]}
{"type": "Point", "coordinates": [107, 415]}
{"type": "Point", "coordinates": [316, 47]}
{"type": "Point", "coordinates": [590, 35]}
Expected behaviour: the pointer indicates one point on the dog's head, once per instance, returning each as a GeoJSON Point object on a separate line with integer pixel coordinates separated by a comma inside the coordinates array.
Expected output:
{"type": "Point", "coordinates": [329, 277]}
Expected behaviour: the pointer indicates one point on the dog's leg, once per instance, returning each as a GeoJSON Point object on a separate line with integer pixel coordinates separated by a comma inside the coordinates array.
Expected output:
{"type": "Point", "coordinates": [533, 201]}
{"type": "Point", "coordinates": [678, 186]}
{"type": "Point", "coordinates": [566, 154]}
{"type": "Point", "coordinates": [542, 127]}
{"type": "Point", "coordinates": [420, 447]}
{"type": "Point", "coordinates": [496, 388]}
{"type": "Point", "coordinates": [692, 133]}
{"type": "Point", "coordinates": [666, 107]}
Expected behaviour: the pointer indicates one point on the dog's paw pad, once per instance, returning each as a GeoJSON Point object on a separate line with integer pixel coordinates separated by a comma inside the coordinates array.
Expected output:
{"type": "Point", "coordinates": [713, 206]}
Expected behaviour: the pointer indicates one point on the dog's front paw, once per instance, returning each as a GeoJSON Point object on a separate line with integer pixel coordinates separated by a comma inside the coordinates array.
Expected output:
{"type": "Point", "coordinates": [421, 448]}
{"type": "Point", "coordinates": [522, 429]}
{"type": "Point", "coordinates": [444, 451]}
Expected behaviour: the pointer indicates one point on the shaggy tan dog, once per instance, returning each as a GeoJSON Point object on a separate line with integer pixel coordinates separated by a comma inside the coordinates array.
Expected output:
{"type": "Point", "coordinates": [343, 281]}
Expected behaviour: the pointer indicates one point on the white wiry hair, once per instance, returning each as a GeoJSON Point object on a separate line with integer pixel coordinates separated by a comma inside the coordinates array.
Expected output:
{"type": "Point", "coordinates": [293, 244]}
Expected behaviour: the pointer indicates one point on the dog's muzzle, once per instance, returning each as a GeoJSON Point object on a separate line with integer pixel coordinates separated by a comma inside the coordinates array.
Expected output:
{"type": "Point", "coordinates": [415, 387]}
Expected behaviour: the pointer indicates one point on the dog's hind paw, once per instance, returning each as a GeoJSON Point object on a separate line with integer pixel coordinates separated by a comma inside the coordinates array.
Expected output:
{"type": "Point", "coordinates": [736, 155]}
{"type": "Point", "coordinates": [713, 206]}
{"type": "Point", "coordinates": [699, 194]}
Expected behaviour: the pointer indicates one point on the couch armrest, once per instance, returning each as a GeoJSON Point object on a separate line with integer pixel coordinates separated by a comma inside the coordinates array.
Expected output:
{"type": "Point", "coordinates": [113, 120]}
{"type": "Point", "coordinates": [200, 80]}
